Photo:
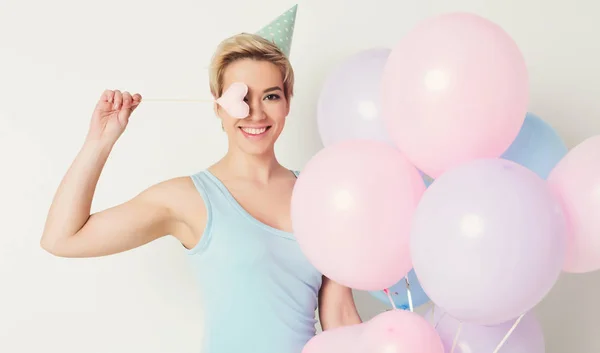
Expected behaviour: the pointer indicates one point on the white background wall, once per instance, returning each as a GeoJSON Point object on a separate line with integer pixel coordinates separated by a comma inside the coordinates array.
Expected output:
{"type": "Point", "coordinates": [58, 56]}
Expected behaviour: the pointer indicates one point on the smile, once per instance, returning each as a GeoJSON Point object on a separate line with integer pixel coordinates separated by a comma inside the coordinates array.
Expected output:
{"type": "Point", "coordinates": [254, 131]}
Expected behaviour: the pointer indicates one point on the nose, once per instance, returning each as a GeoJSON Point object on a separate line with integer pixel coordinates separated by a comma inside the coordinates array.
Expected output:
{"type": "Point", "coordinates": [257, 112]}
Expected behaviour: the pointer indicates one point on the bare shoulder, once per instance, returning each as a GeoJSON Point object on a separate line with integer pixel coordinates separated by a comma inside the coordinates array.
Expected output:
{"type": "Point", "coordinates": [175, 186]}
{"type": "Point", "coordinates": [180, 196]}
{"type": "Point", "coordinates": [168, 193]}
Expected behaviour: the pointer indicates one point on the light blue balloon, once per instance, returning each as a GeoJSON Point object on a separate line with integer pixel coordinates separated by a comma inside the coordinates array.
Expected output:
{"type": "Point", "coordinates": [400, 295]}
{"type": "Point", "coordinates": [538, 147]}
{"type": "Point", "coordinates": [426, 178]}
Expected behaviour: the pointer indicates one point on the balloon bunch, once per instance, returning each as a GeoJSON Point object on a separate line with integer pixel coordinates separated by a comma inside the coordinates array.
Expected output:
{"type": "Point", "coordinates": [509, 209]}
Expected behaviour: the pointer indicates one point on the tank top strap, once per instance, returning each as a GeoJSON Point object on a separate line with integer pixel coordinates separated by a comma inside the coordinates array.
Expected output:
{"type": "Point", "coordinates": [219, 204]}
{"type": "Point", "coordinates": [215, 202]}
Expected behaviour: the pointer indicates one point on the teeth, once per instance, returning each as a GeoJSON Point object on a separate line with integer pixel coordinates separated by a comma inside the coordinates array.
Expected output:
{"type": "Point", "coordinates": [253, 131]}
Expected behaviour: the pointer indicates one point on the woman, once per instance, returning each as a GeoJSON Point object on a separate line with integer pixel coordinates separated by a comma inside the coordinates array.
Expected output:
{"type": "Point", "coordinates": [233, 218]}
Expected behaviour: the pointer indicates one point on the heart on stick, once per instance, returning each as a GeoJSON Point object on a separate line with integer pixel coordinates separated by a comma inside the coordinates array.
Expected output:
{"type": "Point", "coordinates": [397, 331]}
{"type": "Point", "coordinates": [232, 100]}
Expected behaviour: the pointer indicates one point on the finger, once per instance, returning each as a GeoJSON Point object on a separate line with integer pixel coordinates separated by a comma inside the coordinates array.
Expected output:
{"type": "Point", "coordinates": [107, 96]}
{"type": "Point", "coordinates": [118, 100]}
{"type": "Point", "coordinates": [104, 106]}
{"type": "Point", "coordinates": [137, 99]}
{"type": "Point", "coordinates": [127, 100]}
{"type": "Point", "coordinates": [105, 101]}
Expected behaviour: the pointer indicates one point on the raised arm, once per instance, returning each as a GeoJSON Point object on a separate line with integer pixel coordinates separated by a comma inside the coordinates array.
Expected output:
{"type": "Point", "coordinates": [70, 229]}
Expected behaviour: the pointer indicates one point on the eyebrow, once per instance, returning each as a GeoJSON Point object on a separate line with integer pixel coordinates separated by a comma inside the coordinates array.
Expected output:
{"type": "Point", "coordinates": [276, 88]}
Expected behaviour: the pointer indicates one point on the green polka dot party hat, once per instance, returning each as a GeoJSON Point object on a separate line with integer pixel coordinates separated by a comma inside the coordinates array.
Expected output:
{"type": "Point", "coordinates": [281, 30]}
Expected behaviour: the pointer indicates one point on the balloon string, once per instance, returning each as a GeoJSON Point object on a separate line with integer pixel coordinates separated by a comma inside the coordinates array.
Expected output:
{"type": "Point", "coordinates": [387, 292]}
{"type": "Point", "coordinates": [456, 337]}
{"type": "Point", "coordinates": [410, 302]}
{"type": "Point", "coordinates": [432, 312]}
{"type": "Point", "coordinates": [509, 333]}
{"type": "Point", "coordinates": [440, 319]}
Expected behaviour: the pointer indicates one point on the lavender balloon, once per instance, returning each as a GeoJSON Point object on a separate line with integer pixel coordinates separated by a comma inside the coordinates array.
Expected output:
{"type": "Point", "coordinates": [526, 338]}
{"type": "Point", "coordinates": [349, 105]}
{"type": "Point", "coordinates": [488, 241]}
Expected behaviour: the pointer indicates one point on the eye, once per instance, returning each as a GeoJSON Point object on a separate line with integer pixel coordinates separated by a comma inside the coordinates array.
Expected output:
{"type": "Point", "coordinates": [272, 97]}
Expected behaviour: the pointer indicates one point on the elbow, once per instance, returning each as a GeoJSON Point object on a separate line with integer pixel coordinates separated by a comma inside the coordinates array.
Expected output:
{"type": "Point", "coordinates": [46, 245]}
{"type": "Point", "coordinates": [50, 245]}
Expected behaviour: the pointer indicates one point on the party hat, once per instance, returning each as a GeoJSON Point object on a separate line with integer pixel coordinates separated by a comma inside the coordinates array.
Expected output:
{"type": "Point", "coordinates": [281, 30]}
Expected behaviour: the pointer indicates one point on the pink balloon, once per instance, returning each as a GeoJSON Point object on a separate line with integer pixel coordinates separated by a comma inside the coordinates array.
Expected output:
{"type": "Point", "coordinates": [342, 339]}
{"type": "Point", "coordinates": [352, 208]}
{"type": "Point", "coordinates": [398, 331]}
{"type": "Point", "coordinates": [576, 179]}
{"type": "Point", "coordinates": [454, 89]}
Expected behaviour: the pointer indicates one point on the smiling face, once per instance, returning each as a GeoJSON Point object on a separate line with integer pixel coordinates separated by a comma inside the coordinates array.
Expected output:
{"type": "Point", "coordinates": [257, 133]}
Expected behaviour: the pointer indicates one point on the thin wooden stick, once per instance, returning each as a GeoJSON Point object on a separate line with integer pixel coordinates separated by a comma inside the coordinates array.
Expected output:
{"type": "Point", "coordinates": [183, 100]}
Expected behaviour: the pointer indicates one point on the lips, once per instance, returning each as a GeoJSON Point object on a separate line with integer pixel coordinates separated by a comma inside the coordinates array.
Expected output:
{"type": "Point", "coordinates": [254, 131]}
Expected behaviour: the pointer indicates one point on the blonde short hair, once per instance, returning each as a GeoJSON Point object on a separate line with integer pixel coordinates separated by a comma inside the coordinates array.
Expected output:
{"type": "Point", "coordinates": [248, 46]}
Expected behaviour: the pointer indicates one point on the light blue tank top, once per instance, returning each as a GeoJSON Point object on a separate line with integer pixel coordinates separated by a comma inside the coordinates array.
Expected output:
{"type": "Point", "coordinates": [259, 290]}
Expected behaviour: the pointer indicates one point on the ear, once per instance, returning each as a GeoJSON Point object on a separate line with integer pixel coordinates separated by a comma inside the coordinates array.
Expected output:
{"type": "Point", "coordinates": [216, 109]}
{"type": "Point", "coordinates": [288, 103]}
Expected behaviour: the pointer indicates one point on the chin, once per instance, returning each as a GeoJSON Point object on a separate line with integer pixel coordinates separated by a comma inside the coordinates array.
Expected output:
{"type": "Point", "coordinates": [257, 141]}
{"type": "Point", "coordinates": [256, 151]}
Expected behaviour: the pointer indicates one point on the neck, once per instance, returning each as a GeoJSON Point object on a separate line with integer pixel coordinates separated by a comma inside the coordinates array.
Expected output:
{"type": "Point", "coordinates": [256, 167]}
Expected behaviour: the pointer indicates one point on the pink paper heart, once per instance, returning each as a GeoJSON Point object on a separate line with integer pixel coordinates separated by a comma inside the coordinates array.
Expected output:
{"type": "Point", "coordinates": [232, 100]}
